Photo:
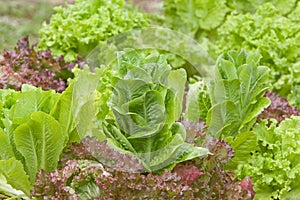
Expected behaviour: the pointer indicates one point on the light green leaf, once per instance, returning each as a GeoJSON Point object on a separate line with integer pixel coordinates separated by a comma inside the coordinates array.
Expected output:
{"type": "Point", "coordinates": [176, 81]}
{"type": "Point", "coordinates": [193, 15]}
{"type": "Point", "coordinates": [138, 74]}
{"type": "Point", "coordinates": [84, 88]}
{"type": "Point", "coordinates": [252, 80]}
{"type": "Point", "coordinates": [33, 100]}
{"type": "Point", "coordinates": [166, 156]}
{"type": "Point", "coordinates": [126, 90]}
{"type": "Point", "coordinates": [175, 151]}
{"type": "Point", "coordinates": [154, 115]}
{"type": "Point", "coordinates": [62, 111]}
{"type": "Point", "coordinates": [222, 116]}
{"type": "Point", "coordinates": [78, 27]}
{"type": "Point", "coordinates": [12, 173]}
{"type": "Point", "coordinates": [227, 89]}
{"type": "Point", "coordinates": [198, 102]}
{"type": "Point", "coordinates": [273, 163]}
{"type": "Point", "coordinates": [236, 93]}
{"type": "Point", "coordinates": [292, 195]}
{"type": "Point", "coordinates": [243, 144]}
{"type": "Point", "coordinates": [227, 69]}
{"type": "Point", "coordinates": [40, 140]}
{"type": "Point", "coordinates": [192, 106]}
{"type": "Point", "coordinates": [86, 100]}
{"type": "Point", "coordinates": [8, 192]}
{"type": "Point", "coordinates": [210, 13]}
{"type": "Point", "coordinates": [6, 150]}
{"type": "Point", "coordinates": [259, 107]}
{"type": "Point", "coordinates": [117, 136]}
{"type": "Point", "coordinates": [264, 133]}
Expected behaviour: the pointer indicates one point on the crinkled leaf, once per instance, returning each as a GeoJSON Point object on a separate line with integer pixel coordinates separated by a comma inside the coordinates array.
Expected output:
{"type": "Point", "coordinates": [79, 27]}
{"type": "Point", "coordinates": [32, 100]}
{"type": "Point", "coordinates": [270, 32]}
{"type": "Point", "coordinates": [273, 164]}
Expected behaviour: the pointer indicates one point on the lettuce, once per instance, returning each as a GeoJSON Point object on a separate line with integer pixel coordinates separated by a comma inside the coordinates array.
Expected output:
{"type": "Point", "coordinates": [236, 94]}
{"type": "Point", "coordinates": [31, 139]}
{"type": "Point", "coordinates": [274, 165]}
{"type": "Point", "coordinates": [193, 16]}
{"type": "Point", "coordinates": [279, 108]}
{"type": "Point", "coordinates": [78, 28]}
{"type": "Point", "coordinates": [209, 174]}
{"type": "Point", "coordinates": [294, 96]}
{"type": "Point", "coordinates": [80, 177]}
{"type": "Point", "coordinates": [36, 126]}
{"type": "Point", "coordinates": [284, 6]}
{"type": "Point", "coordinates": [40, 141]}
{"type": "Point", "coordinates": [146, 102]}
{"type": "Point", "coordinates": [275, 36]}
{"type": "Point", "coordinates": [203, 17]}
{"type": "Point", "coordinates": [197, 102]}
{"type": "Point", "coordinates": [25, 65]}
{"type": "Point", "coordinates": [85, 179]}
{"type": "Point", "coordinates": [14, 181]}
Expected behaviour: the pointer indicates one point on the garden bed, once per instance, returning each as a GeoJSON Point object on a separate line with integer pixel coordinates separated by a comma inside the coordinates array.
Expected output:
{"type": "Point", "coordinates": [151, 100]}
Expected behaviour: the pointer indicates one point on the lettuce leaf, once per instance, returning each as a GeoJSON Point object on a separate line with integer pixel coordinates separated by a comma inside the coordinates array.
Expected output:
{"type": "Point", "coordinates": [243, 144]}
{"type": "Point", "coordinates": [14, 182]}
{"type": "Point", "coordinates": [197, 102]}
{"type": "Point", "coordinates": [279, 108]}
{"type": "Point", "coordinates": [41, 141]}
{"type": "Point", "coordinates": [6, 150]}
{"type": "Point", "coordinates": [31, 100]}
{"type": "Point", "coordinates": [25, 65]}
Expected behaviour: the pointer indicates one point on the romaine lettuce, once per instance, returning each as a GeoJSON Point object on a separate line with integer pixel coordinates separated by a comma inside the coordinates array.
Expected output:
{"type": "Point", "coordinates": [236, 94]}
{"type": "Point", "coordinates": [146, 102]}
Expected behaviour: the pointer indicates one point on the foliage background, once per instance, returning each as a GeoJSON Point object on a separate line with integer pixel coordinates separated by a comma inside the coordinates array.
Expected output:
{"type": "Point", "coordinates": [23, 17]}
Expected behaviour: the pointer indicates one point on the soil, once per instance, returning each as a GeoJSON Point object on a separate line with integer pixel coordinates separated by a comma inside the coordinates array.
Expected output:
{"type": "Point", "coordinates": [151, 6]}
{"type": "Point", "coordinates": [60, 1]}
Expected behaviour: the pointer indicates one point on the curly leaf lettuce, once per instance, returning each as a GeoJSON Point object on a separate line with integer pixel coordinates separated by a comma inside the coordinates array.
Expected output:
{"type": "Point", "coordinates": [275, 166]}
{"type": "Point", "coordinates": [78, 28]}
{"type": "Point", "coordinates": [294, 96]}
{"type": "Point", "coordinates": [245, 6]}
